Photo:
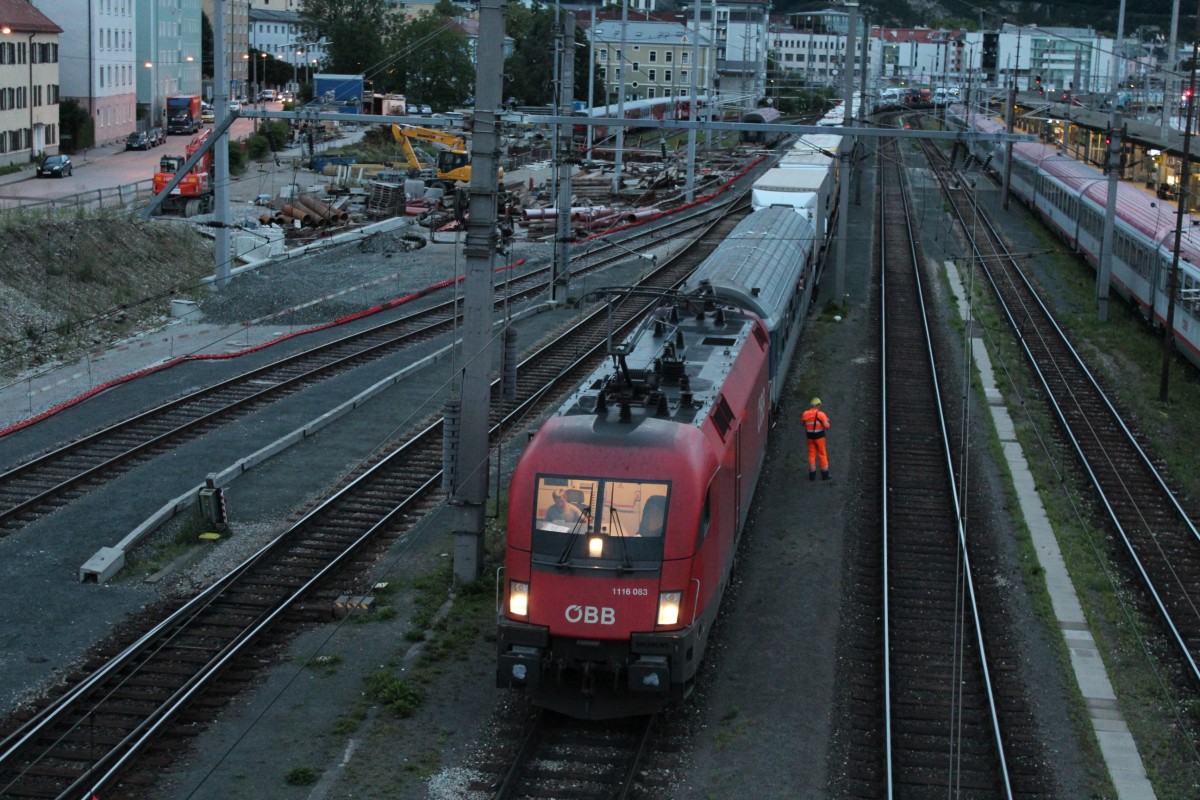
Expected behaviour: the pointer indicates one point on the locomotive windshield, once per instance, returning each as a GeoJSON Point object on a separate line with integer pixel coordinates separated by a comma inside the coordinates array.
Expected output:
{"type": "Point", "coordinates": [598, 522]}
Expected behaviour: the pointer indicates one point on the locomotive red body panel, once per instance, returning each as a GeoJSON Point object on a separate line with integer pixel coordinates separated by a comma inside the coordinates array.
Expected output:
{"type": "Point", "coordinates": [624, 515]}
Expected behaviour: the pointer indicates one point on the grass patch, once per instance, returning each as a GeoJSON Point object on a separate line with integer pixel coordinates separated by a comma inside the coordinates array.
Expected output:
{"type": "Point", "coordinates": [400, 695]}
{"type": "Point", "coordinates": [347, 724]}
{"type": "Point", "coordinates": [301, 776]}
{"type": "Point", "coordinates": [160, 551]}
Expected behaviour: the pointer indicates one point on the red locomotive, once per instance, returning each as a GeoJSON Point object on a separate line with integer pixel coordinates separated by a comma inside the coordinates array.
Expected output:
{"type": "Point", "coordinates": [625, 511]}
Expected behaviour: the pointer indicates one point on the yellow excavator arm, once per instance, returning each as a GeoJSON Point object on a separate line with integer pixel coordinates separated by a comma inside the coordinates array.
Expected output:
{"type": "Point", "coordinates": [406, 146]}
{"type": "Point", "coordinates": [453, 162]}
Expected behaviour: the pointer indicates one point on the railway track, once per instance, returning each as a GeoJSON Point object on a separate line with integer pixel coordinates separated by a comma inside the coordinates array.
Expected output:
{"type": "Point", "coordinates": [1132, 497]}
{"type": "Point", "coordinates": [935, 703]}
{"type": "Point", "coordinates": [56, 478]}
{"type": "Point", "coordinates": [942, 730]}
{"type": "Point", "coordinates": [106, 733]}
{"type": "Point", "coordinates": [555, 756]}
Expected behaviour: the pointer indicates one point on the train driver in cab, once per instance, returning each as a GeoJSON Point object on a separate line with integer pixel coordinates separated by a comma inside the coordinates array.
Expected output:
{"type": "Point", "coordinates": [562, 510]}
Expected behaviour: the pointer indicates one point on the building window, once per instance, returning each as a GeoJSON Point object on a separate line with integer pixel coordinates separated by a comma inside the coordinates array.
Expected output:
{"type": "Point", "coordinates": [652, 74]}
{"type": "Point", "coordinates": [653, 56]}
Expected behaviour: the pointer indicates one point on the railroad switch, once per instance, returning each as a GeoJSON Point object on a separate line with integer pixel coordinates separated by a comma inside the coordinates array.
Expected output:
{"type": "Point", "coordinates": [353, 605]}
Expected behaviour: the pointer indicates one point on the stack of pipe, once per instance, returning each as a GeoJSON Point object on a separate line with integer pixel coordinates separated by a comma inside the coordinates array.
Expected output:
{"type": "Point", "coordinates": [323, 212]}
{"type": "Point", "coordinates": [293, 213]}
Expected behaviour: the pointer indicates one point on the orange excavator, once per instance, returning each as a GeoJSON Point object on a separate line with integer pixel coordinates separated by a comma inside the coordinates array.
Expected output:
{"type": "Point", "coordinates": [194, 193]}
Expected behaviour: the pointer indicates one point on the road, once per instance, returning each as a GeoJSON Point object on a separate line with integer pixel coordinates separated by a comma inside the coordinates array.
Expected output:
{"type": "Point", "coordinates": [105, 167]}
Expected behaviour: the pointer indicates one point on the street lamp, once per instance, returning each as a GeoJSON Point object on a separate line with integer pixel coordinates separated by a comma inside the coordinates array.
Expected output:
{"type": "Point", "coordinates": [153, 94]}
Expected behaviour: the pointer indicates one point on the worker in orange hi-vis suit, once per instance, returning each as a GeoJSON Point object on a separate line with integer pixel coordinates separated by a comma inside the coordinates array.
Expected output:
{"type": "Point", "coordinates": [816, 422]}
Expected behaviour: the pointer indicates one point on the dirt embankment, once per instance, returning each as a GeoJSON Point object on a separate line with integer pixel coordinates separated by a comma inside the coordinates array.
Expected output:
{"type": "Point", "coordinates": [70, 283]}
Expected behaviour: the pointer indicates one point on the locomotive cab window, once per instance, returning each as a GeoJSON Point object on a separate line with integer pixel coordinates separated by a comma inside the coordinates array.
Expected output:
{"type": "Point", "coordinates": [598, 522]}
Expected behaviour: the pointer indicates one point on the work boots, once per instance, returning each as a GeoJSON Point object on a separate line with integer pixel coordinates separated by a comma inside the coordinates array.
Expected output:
{"type": "Point", "coordinates": [825, 475]}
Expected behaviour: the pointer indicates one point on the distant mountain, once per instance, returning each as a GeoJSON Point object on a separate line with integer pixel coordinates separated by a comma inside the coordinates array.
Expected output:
{"type": "Point", "coordinates": [1145, 16]}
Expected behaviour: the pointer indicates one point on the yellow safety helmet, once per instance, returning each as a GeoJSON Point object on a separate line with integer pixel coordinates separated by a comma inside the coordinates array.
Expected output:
{"type": "Point", "coordinates": [816, 401]}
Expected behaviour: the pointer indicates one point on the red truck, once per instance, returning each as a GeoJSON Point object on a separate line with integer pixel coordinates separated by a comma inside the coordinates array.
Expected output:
{"type": "Point", "coordinates": [194, 193]}
{"type": "Point", "coordinates": [183, 113]}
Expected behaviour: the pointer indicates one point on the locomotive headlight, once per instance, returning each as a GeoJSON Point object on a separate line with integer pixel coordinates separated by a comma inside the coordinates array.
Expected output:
{"type": "Point", "coordinates": [518, 599]}
{"type": "Point", "coordinates": [668, 607]}
{"type": "Point", "coordinates": [596, 546]}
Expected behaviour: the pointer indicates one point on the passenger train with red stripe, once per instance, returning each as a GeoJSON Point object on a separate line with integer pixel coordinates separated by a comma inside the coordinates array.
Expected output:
{"type": "Point", "coordinates": [1071, 197]}
{"type": "Point", "coordinates": [607, 608]}
{"type": "Point", "coordinates": [656, 108]}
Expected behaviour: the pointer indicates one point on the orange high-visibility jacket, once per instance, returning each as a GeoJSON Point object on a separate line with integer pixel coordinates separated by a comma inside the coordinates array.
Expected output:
{"type": "Point", "coordinates": [816, 422]}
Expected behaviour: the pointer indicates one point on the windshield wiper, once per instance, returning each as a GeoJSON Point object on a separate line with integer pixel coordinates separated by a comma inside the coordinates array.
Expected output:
{"type": "Point", "coordinates": [573, 537]}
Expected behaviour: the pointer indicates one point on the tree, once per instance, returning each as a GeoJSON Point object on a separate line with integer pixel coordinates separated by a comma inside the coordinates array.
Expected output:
{"type": "Point", "coordinates": [529, 71]}
{"type": "Point", "coordinates": [76, 130]}
{"type": "Point", "coordinates": [355, 33]}
{"type": "Point", "coordinates": [206, 46]}
{"type": "Point", "coordinates": [431, 62]}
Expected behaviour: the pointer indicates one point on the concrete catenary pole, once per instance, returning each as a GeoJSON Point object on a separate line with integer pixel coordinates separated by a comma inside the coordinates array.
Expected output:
{"type": "Point", "coordinates": [1113, 163]}
{"type": "Point", "coordinates": [591, 78]}
{"type": "Point", "coordinates": [470, 490]}
{"type": "Point", "coordinates": [690, 184]}
{"type": "Point", "coordinates": [862, 101]}
{"type": "Point", "coordinates": [566, 92]}
{"type": "Point", "coordinates": [1114, 167]}
{"type": "Point", "coordinates": [1170, 79]}
{"type": "Point", "coordinates": [1010, 108]}
{"type": "Point", "coordinates": [1185, 193]}
{"type": "Point", "coordinates": [220, 176]}
{"type": "Point", "coordinates": [845, 152]}
{"type": "Point", "coordinates": [622, 67]}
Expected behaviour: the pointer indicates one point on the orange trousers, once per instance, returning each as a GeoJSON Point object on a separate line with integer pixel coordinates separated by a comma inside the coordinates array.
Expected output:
{"type": "Point", "coordinates": [816, 448]}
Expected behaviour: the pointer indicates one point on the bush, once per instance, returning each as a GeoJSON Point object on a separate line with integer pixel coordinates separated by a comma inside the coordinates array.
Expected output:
{"type": "Point", "coordinates": [237, 158]}
{"type": "Point", "coordinates": [257, 146]}
{"type": "Point", "coordinates": [276, 131]}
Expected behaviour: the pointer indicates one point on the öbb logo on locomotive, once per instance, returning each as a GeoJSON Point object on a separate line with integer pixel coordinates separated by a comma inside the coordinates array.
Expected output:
{"type": "Point", "coordinates": [591, 615]}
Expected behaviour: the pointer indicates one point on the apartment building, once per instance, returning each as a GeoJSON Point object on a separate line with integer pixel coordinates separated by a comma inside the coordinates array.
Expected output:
{"type": "Point", "coordinates": [655, 58]}
{"type": "Point", "coordinates": [29, 82]}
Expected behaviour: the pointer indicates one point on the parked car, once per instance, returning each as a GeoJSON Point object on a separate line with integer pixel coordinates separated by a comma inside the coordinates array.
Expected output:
{"type": "Point", "coordinates": [157, 136]}
{"type": "Point", "coordinates": [55, 166]}
{"type": "Point", "coordinates": [235, 105]}
{"type": "Point", "coordinates": [138, 140]}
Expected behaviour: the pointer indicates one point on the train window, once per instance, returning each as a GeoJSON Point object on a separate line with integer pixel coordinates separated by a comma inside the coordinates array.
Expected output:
{"type": "Point", "coordinates": [600, 523]}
